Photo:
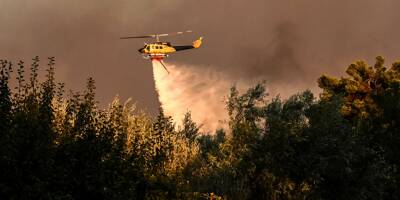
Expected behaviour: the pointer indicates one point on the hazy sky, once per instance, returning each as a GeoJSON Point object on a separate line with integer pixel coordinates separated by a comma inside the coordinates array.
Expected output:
{"type": "Point", "coordinates": [288, 43]}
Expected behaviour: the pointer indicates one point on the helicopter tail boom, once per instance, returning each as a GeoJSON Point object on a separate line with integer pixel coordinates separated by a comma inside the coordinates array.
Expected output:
{"type": "Point", "coordinates": [196, 44]}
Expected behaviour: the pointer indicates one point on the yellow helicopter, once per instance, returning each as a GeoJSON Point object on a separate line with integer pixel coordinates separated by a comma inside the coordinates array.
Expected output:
{"type": "Point", "coordinates": [160, 50]}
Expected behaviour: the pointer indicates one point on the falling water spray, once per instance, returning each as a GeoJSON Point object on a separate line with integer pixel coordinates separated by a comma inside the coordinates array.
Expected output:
{"type": "Point", "coordinates": [192, 89]}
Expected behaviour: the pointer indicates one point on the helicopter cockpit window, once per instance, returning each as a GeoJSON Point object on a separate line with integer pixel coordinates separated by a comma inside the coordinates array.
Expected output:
{"type": "Point", "coordinates": [148, 48]}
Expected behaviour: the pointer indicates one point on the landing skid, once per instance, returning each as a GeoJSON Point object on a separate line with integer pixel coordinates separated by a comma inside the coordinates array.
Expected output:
{"type": "Point", "coordinates": [155, 56]}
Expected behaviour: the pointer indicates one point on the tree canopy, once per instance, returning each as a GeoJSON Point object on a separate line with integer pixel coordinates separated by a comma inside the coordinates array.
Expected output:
{"type": "Point", "coordinates": [61, 145]}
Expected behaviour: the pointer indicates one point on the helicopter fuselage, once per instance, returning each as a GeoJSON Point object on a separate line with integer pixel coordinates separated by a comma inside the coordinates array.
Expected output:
{"type": "Point", "coordinates": [157, 48]}
{"type": "Point", "coordinates": [160, 50]}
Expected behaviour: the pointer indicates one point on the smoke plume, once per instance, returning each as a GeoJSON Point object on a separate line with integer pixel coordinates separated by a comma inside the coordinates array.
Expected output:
{"type": "Point", "coordinates": [287, 43]}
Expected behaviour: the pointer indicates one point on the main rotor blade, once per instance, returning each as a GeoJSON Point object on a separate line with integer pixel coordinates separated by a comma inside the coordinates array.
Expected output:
{"type": "Point", "coordinates": [175, 33]}
{"type": "Point", "coordinates": [157, 35]}
{"type": "Point", "coordinates": [144, 36]}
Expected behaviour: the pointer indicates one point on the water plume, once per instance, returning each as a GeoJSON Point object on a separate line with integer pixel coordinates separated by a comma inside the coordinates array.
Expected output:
{"type": "Point", "coordinates": [192, 89]}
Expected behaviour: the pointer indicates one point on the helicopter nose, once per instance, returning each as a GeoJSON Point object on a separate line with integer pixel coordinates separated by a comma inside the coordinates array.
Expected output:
{"type": "Point", "coordinates": [141, 50]}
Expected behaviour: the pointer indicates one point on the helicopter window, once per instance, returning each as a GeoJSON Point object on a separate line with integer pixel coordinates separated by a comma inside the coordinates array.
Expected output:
{"type": "Point", "coordinates": [148, 48]}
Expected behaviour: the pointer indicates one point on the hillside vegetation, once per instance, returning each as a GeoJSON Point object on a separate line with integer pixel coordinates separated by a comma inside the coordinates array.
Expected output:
{"type": "Point", "coordinates": [61, 145]}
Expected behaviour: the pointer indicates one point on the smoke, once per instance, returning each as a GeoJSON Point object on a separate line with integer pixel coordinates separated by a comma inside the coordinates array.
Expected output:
{"type": "Point", "coordinates": [287, 43]}
{"type": "Point", "coordinates": [189, 89]}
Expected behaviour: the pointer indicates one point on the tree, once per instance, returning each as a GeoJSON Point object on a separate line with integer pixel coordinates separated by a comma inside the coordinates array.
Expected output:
{"type": "Point", "coordinates": [369, 100]}
{"type": "Point", "coordinates": [362, 87]}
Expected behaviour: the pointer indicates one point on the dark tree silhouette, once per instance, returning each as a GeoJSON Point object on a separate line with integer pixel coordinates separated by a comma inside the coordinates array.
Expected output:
{"type": "Point", "coordinates": [344, 145]}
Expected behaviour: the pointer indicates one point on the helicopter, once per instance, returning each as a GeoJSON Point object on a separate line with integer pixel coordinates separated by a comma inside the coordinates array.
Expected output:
{"type": "Point", "coordinates": [160, 50]}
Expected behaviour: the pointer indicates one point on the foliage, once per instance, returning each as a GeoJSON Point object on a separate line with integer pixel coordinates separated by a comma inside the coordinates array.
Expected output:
{"type": "Point", "coordinates": [343, 146]}
{"type": "Point", "coordinates": [364, 85]}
